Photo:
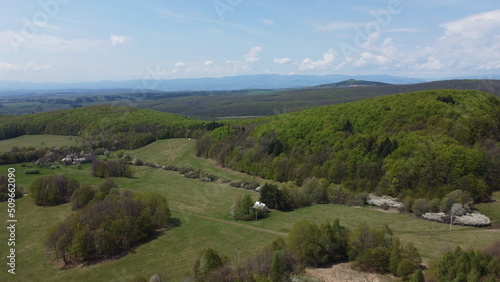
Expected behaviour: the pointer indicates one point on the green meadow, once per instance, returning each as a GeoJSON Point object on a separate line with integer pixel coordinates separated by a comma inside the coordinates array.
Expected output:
{"type": "Point", "coordinates": [201, 211]}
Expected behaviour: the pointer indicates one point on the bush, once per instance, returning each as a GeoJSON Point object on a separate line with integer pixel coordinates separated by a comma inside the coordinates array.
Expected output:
{"type": "Point", "coordinates": [356, 199]}
{"type": "Point", "coordinates": [52, 190]}
{"type": "Point", "coordinates": [419, 207]}
{"type": "Point", "coordinates": [243, 209]}
{"type": "Point", "coordinates": [250, 185]}
{"type": "Point", "coordinates": [405, 269]}
{"type": "Point", "coordinates": [208, 262]}
{"type": "Point", "coordinates": [116, 168]}
{"type": "Point", "coordinates": [236, 184]}
{"type": "Point", "coordinates": [4, 191]}
{"type": "Point", "coordinates": [32, 171]}
{"type": "Point", "coordinates": [82, 196]}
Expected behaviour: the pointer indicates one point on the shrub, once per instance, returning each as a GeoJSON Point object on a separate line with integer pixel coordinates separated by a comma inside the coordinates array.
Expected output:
{"type": "Point", "coordinates": [419, 207]}
{"type": "Point", "coordinates": [356, 199]}
{"type": "Point", "coordinates": [236, 184]}
{"type": "Point", "coordinates": [208, 261]}
{"type": "Point", "coordinates": [243, 209]}
{"type": "Point", "coordinates": [137, 162]}
{"type": "Point", "coordinates": [52, 190]}
{"type": "Point", "coordinates": [115, 168]}
{"type": "Point", "coordinates": [82, 196]}
{"type": "Point", "coordinates": [250, 185]}
{"type": "Point", "coordinates": [32, 171]}
{"type": "Point", "coordinates": [4, 191]}
{"type": "Point", "coordinates": [405, 269]}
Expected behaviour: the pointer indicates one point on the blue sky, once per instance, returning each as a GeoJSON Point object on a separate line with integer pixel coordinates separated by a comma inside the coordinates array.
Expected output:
{"type": "Point", "coordinates": [74, 41]}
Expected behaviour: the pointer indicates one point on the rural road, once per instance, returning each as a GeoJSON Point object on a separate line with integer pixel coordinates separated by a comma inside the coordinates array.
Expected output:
{"type": "Point", "coordinates": [232, 223]}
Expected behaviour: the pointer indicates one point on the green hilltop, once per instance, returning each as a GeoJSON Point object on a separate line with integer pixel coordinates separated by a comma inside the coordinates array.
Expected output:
{"type": "Point", "coordinates": [113, 127]}
{"type": "Point", "coordinates": [422, 144]}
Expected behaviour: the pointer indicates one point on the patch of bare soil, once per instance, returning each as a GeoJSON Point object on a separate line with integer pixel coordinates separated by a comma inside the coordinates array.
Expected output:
{"type": "Point", "coordinates": [342, 272]}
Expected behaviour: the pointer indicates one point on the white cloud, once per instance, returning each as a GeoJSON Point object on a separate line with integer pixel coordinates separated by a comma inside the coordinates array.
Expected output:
{"type": "Point", "coordinates": [208, 63]}
{"type": "Point", "coordinates": [370, 59]}
{"type": "Point", "coordinates": [328, 58]}
{"type": "Point", "coordinates": [253, 55]}
{"type": "Point", "coordinates": [431, 64]}
{"type": "Point", "coordinates": [179, 64]}
{"type": "Point", "coordinates": [338, 25]}
{"type": "Point", "coordinates": [404, 29]}
{"type": "Point", "coordinates": [267, 21]}
{"type": "Point", "coordinates": [29, 66]}
{"type": "Point", "coordinates": [282, 61]}
{"type": "Point", "coordinates": [117, 40]}
{"type": "Point", "coordinates": [46, 42]}
{"type": "Point", "coordinates": [474, 26]}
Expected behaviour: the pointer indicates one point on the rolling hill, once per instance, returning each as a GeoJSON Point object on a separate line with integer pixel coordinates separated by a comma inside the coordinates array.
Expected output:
{"type": "Point", "coordinates": [112, 127]}
{"type": "Point", "coordinates": [285, 101]}
{"type": "Point", "coordinates": [422, 144]}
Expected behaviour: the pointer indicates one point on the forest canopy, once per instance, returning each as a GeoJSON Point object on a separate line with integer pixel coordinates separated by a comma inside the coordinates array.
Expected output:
{"type": "Point", "coordinates": [423, 144]}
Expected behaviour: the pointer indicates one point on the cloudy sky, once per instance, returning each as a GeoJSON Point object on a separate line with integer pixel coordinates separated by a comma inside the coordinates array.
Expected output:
{"type": "Point", "coordinates": [74, 41]}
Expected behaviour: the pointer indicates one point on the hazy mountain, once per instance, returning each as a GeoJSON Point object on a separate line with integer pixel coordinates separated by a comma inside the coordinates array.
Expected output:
{"type": "Point", "coordinates": [264, 81]}
{"type": "Point", "coordinates": [351, 83]}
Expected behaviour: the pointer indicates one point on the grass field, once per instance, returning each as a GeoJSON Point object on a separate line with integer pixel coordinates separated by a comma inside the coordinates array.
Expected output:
{"type": "Point", "coordinates": [175, 251]}
{"type": "Point", "coordinates": [38, 141]}
{"type": "Point", "coordinates": [182, 152]}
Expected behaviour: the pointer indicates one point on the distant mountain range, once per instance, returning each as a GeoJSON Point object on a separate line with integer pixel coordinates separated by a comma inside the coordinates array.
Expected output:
{"type": "Point", "coordinates": [351, 83]}
{"type": "Point", "coordinates": [263, 81]}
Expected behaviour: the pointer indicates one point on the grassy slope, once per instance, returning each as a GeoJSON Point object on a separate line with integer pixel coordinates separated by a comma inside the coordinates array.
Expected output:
{"type": "Point", "coordinates": [175, 251]}
{"type": "Point", "coordinates": [38, 141]}
{"type": "Point", "coordinates": [181, 152]}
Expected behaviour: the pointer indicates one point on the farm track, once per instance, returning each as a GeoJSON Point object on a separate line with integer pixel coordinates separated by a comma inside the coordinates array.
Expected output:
{"type": "Point", "coordinates": [231, 222]}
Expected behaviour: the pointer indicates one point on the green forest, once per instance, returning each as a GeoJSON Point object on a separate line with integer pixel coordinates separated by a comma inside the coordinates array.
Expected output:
{"type": "Point", "coordinates": [423, 144]}
{"type": "Point", "coordinates": [111, 127]}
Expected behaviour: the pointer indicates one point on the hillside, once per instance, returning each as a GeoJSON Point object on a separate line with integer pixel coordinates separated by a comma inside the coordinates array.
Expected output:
{"type": "Point", "coordinates": [351, 83]}
{"type": "Point", "coordinates": [423, 144]}
{"type": "Point", "coordinates": [112, 127]}
{"type": "Point", "coordinates": [285, 101]}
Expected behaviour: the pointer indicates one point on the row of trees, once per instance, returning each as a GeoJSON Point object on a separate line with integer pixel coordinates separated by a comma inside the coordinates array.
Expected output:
{"type": "Point", "coordinates": [107, 227]}
{"type": "Point", "coordinates": [472, 265]}
{"type": "Point", "coordinates": [309, 244]}
{"type": "Point", "coordinates": [114, 168]}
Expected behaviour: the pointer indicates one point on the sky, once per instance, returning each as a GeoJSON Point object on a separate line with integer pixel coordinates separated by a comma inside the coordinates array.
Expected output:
{"type": "Point", "coordinates": [79, 41]}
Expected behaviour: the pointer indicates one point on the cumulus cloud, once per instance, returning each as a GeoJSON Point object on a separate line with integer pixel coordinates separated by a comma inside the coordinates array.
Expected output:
{"type": "Point", "coordinates": [208, 63]}
{"type": "Point", "coordinates": [253, 55]}
{"type": "Point", "coordinates": [474, 27]}
{"type": "Point", "coordinates": [282, 61]}
{"type": "Point", "coordinates": [328, 58]}
{"type": "Point", "coordinates": [431, 64]}
{"type": "Point", "coordinates": [117, 40]}
{"type": "Point", "coordinates": [29, 66]}
{"type": "Point", "coordinates": [179, 64]}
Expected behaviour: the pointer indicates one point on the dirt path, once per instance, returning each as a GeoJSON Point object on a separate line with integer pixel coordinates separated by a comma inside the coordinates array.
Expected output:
{"type": "Point", "coordinates": [232, 223]}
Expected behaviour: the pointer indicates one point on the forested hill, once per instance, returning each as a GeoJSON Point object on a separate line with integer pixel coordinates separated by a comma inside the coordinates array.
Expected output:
{"type": "Point", "coordinates": [111, 127]}
{"type": "Point", "coordinates": [351, 83]}
{"type": "Point", "coordinates": [422, 144]}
